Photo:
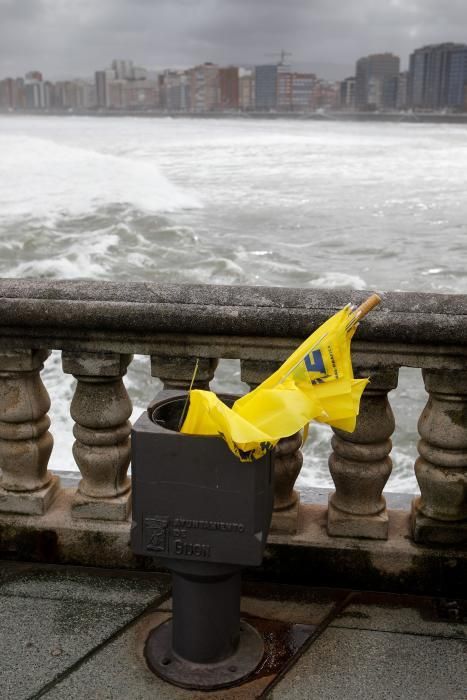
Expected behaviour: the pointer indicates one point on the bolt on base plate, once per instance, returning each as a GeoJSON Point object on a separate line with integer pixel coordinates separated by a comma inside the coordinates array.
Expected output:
{"type": "Point", "coordinates": [186, 674]}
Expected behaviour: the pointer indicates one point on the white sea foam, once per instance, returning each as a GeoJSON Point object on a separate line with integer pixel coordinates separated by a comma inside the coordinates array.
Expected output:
{"type": "Point", "coordinates": [89, 254]}
{"type": "Point", "coordinates": [331, 280]}
{"type": "Point", "coordinates": [59, 268]}
{"type": "Point", "coordinates": [42, 177]}
{"type": "Point", "coordinates": [402, 476]}
{"type": "Point", "coordinates": [432, 271]}
{"type": "Point", "coordinates": [61, 388]}
{"type": "Point", "coordinates": [223, 270]}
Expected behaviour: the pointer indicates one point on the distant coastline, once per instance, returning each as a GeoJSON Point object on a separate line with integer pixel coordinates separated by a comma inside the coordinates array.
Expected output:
{"type": "Point", "coordinates": [378, 117]}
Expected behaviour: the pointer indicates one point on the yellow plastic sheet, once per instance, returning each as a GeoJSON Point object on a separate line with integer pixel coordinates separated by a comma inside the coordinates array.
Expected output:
{"type": "Point", "coordinates": [315, 383]}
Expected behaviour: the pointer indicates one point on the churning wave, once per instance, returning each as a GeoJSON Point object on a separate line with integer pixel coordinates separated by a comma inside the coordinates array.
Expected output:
{"type": "Point", "coordinates": [331, 280]}
{"type": "Point", "coordinates": [42, 178]}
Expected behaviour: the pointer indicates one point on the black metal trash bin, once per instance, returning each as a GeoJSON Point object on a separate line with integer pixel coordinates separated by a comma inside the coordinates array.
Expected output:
{"type": "Point", "coordinates": [207, 514]}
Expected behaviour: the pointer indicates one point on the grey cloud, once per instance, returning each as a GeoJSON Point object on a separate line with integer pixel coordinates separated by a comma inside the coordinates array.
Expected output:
{"type": "Point", "coordinates": [75, 38]}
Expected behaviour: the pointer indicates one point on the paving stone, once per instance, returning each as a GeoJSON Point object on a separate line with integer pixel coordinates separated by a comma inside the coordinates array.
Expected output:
{"type": "Point", "coordinates": [294, 604]}
{"type": "Point", "coordinates": [356, 664]}
{"type": "Point", "coordinates": [290, 603]}
{"type": "Point", "coordinates": [42, 638]}
{"type": "Point", "coordinates": [401, 613]}
{"type": "Point", "coordinates": [10, 570]}
{"type": "Point", "coordinates": [72, 583]}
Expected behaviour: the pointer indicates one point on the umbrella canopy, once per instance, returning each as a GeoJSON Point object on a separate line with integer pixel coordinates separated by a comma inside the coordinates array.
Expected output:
{"type": "Point", "coordinates": [315, 383]}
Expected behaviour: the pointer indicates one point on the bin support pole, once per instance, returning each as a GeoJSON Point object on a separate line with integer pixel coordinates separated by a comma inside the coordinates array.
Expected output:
{"type": "Point", "coordinates": [205, 645]}
{"type": "Point", "coordinates": [206, 616]}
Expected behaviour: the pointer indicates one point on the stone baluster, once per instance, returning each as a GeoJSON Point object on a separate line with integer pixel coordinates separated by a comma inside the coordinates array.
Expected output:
{"type": "Point", "coordinates": [100, 408]}
{"type": "Point", "coordinates": [288, 458]}
{"type": "Point", "coordinates": [177, 372]}
{"type": "Point", "coordinates": [25, 442]}
{"type": "Point", "coordinates": [439, 515]}
{"type": "Point", "coordinates": [360, 464]}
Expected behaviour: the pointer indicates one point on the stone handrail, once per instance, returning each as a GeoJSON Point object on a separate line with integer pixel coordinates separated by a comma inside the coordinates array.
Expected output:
{"type": "Point", "coordinates": [99, 325]}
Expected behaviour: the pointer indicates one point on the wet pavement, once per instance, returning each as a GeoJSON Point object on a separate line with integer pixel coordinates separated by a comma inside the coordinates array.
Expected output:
{"type": "Point", "coordinates": [74, 632]}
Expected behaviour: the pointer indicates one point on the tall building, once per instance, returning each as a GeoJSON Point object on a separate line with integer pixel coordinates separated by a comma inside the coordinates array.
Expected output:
{"type": "Point", "coordinates": [140, 94]}
{"type": "Point", "coordinates": [303, 85]}
{"type": "Point", "coordinates": [102, 80]}
{"type": "Point", "coordinates": [203, 88]}
{"type": "Point", "coordinates": [347, 93]}
{"type": "Point", "coordinates": [326, 95]}
{"type": "Point", "coordinates": [37, 94]}
{"type": "Point", "coordinates": [402, 90]}
{"type": "Point", "coordinates": [139, 73]}
{"type": "Point", "coordinates": [389, 92]}
{"type": "Point", "coordinates": [116, 94]}
{"type": "Point", "coordinates": [436, 76]}
{"type": "Point", "coordinates": [266, 87]}
{"type": "Point", "coordinates": [12, 93]}
{"type": "Point", "coordinates": [457, 82]}
{"type": "Point", "coordinates": [34, 75]}
{"type": "Point", "coordinates": [228, 88]}
{"type": "Point", "coordinates": [64, 95]}
{"type": "Point", "coordinates": [284, 90]}
{"type": "Point", "coordinates": [102, 93]}
{"type": "Point", "coordinates": [74, 95]}
{"type": "Point", "coordinates": [124, 70]}
{"type": "Point", "coordinates": [88, 98]}
{"type": "Point", "coordinates": [295, 91]}
{"type": "Point", "coordinates": [6, 97]}
{"type": "Point", "coordinates": [376, 81]}
{"type": "Point", "coordinates": [173, 91]}
{"type": "Point", "coordinates": [246, 90]}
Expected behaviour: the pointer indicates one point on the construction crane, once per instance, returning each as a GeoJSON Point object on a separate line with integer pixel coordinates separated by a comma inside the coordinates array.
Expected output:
{"type": "Point", "coordinates": [282, 55]}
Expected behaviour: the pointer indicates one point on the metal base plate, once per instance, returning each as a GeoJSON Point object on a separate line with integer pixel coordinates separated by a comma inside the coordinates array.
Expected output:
{"type": "Point", "coordinates": [172, 668]}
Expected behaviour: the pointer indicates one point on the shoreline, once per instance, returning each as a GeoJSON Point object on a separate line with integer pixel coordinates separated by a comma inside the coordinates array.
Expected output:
{"type": "Point", "coordinates": [391, 117]}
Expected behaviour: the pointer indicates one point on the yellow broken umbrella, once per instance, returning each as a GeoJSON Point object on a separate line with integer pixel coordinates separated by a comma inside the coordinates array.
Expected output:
{"type": "Point", "coordinates": [315, 383]}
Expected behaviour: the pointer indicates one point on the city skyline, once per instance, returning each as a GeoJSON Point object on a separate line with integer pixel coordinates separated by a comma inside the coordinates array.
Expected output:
{"type": "Point", "coordinates": [70, 39]}
{"type": "Point", "coordinates": [436, 80]}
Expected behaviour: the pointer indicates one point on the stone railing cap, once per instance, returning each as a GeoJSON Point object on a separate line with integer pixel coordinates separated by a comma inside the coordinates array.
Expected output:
{"type": "Point", "coordinates": [139, 308]}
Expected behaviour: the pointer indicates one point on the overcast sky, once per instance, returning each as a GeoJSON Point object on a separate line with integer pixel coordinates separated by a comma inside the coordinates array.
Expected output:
{"type": "Point", "coordinates": [76, 37]}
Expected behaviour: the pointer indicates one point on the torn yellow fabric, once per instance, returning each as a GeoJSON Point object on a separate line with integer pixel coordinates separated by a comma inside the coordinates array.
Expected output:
{"type": "Point", "coordinates": [315, 383]}
{"type": "Point", "coordinates": [208, 415]}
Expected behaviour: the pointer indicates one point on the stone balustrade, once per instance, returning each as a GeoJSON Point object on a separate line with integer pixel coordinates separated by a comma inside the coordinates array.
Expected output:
{"type": "Point", "coordinates": [25, 441]}
{"type": "Point", "coordinates": [98, 326]}
{"type": "Point", "coordinates": [100, 408]}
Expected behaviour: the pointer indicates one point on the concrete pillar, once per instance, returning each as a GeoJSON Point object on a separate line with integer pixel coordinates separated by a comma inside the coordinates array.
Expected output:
{"type": "Point", "coordinates": [26, 486]}
{"type": "Point", "coordinates": [288, 458]}
{"type": "Point", "coordinates": [100, 408]}
{"type": "Point", "coordinates": [177, 372]}
{"type": "Point", "coordinates": [439, 515]}
{"type": "Point", "coordinates": [360, 464]}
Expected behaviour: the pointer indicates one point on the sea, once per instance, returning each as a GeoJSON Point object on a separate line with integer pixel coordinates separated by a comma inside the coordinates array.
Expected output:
{"type": "Point", "coordinates": [314, 204]}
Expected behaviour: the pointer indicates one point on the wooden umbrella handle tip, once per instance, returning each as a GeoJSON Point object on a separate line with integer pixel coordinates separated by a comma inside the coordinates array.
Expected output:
{"type": "Point", "coordinates": [368, 305]}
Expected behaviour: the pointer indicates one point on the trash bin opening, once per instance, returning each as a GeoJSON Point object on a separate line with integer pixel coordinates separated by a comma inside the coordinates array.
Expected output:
{"type": "Point", "coordinates": [169, 413]}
